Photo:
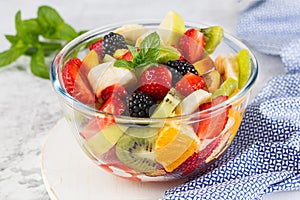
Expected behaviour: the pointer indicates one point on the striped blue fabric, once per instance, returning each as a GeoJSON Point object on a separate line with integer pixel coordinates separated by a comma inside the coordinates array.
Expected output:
{"type": "Point", "coordinates": [265, 154]}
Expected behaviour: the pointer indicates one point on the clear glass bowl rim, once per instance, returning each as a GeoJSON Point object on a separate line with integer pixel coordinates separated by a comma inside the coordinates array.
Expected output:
{"type": "Point", "coordinates": [57, 83]}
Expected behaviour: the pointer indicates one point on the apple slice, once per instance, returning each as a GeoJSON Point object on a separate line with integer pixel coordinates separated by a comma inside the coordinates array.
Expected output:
{"type": "Point", "coordinates": [89, 61]}
{"type": "Point", "coordinates": [105, 139]}
{"type": "Point", "coordinates": [106, 74]}
{"type": "Point", "coordinates": [171, 28]}
{"type": "Point", "coordinates": [227, 88]}
{"type": "Point", "coordinates": [192, 102]}
{"type": "Point", "coordinates": [244, 62]}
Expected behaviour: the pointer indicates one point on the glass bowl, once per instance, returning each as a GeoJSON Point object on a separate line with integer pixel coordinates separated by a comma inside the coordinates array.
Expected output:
{"type": "Point", "coordinates": [136, 156]}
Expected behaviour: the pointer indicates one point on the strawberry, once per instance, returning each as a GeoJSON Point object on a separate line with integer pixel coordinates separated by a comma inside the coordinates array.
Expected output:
{"type": "Point", "coordinates": [75, 84]}
{"type": "Point", "coordinates": [197, 159]}
{"type": "Point", "coordinates": [95, 125]}
{"type": "Point", "coordinates": [114, 90]}
{"type": "Point", "coordinates": [127, 56]}
{"type": "Point", "coordinates": [156, 82]}
{"type": "Point", "coordinates": [192, 45]}
{"type": "Point", "coordinates": [213, 124]}
{"type": "Point", "coordinates": [97, 46]}
{"type": "Point", "coordinates": [189, 83]}
{"type": "Point", "coordinates": [113, 105]}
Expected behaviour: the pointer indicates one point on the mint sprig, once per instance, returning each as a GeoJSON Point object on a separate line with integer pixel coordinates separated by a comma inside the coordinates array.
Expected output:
{"type": "Point", "coordinates": [149, 50]}
{"type": "Point", "coordinates": [38, 38]}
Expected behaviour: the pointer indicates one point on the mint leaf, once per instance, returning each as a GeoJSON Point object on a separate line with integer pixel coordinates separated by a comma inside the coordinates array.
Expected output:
{"type": "Point", "coordinates": [124, 64]}
{"type": "Point", "coordinates": [48, 17]}
{"type": "Point", "coordinates": [53, 25]}
{"type": "Point", "coordinates": [150, 46]}
{"type": "Point", "coordinates": [133, 50]}
{"type": "Point", "coordinates": [167, 53]}
{"type": "Point", "coordinates": [27, 30]}
{"type": "Point", "coordinates": [38, 37]}
{"type": "Point", "coordinates": [38, 66]}
{"type": "Point", "coordinates": [13, 39]}
{"type": "Point", "coordinates": [12, 54]}
{"type": "Point", "coordinates": [64, 32]}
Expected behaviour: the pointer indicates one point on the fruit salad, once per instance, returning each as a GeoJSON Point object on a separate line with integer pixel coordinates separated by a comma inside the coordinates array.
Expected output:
{"type": "Point", "coordinates": [170, 80]}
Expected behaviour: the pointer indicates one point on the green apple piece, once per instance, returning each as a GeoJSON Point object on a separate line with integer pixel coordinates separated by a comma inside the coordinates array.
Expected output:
{"type": "Point", "coordinates": [227, 88]}
{"type": "Point", "coordinates": [244, 63]}
{"type": "Point", "coordinates": [105, 139]}
{"type": "Point", "coordinates": [108, 58]}
{"type": "Point", "coordinates": [142, 132]}
{"type": "Point", "coordinates": [167, 53]}
{"type": "Point", "coordinates": [171, 28]}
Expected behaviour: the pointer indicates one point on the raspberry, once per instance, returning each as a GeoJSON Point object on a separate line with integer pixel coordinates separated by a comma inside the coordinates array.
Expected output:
{"type": "Point", "coordinates": [139, 104]}
{"type": "Point", "coordinates": [112, 42]}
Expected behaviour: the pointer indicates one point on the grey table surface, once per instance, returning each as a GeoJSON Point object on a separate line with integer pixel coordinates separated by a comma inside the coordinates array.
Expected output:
{"type": "Point", "coordinates": [28, 105]}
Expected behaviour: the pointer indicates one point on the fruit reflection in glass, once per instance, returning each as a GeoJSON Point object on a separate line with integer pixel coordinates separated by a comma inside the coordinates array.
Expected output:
{"type": "Point", "coordinates": [154, 101]}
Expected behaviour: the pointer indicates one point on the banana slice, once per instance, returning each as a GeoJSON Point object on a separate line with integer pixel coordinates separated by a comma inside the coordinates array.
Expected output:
{"type": "Point", "coordinates": [192, 102]}
{"type": "Point", "coordinates": [106, 74]}
{"type": "Point", "coordinates": [227, 66]}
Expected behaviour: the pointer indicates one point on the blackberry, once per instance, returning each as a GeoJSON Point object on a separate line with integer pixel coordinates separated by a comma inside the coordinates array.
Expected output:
{"type": "Point", "coordinates": [139, 104]}
{"type": "Point", "coordinates": [179, 68]}
{"type": "Point", "coordinates": [112, 42]}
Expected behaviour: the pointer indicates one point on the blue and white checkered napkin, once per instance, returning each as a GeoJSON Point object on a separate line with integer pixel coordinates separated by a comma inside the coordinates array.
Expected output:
{"type": "Point", "coordinates": [265, 154]}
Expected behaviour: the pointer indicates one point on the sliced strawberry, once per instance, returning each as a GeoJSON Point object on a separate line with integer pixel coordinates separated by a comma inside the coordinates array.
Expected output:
{"type": "Point", "coordinates": [127, 56]}
{"type": "Point", "coordinates": [197, 159]}
{"type": "Point", "coordinates": [76, 85]}
{"type": "Point", "coordinates": [114, 90]}
{"type": "Point", "coordinates": [192, 45]}
{"type": "Point", "coordinates": [215, 121]}
{"type": "Point", "coordinates": [156, 81]}
{"type": "Point", "coordinates": [95, 125]}
{"type": "Point", "coordinates": [97, 46]}
{"type": "Point", "coordinates": [113, 105]}
{"type": "Point", "coordinates": [189, 83]}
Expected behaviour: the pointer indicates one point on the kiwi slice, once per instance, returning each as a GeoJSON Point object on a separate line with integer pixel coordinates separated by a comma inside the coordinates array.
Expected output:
{"type": "Point", "coordinates": [142, 132]}
{"type": "Point", "coordinates": [212, 80]}
{"type": "Point", "coordinates": [227, 88]}
{"type": "Point", "coordinates": [244, 63]}
{"type": "Point", "coordinates": [137, 153]}
{"type": "Point", "coordinates": [213, 36]}
{"type": "Point", "coordinates": [168, 104]}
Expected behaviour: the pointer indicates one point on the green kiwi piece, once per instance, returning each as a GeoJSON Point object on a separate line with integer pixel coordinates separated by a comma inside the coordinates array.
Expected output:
{"type": "Point", "coordinates": [137, 153]}
{"type": "Point", "coordinates": [244, 63]}
{"type": "Point", "coordinates": [142, 132]}
{"type": "Point", "coordinates": [168, 104]}
{"type": "Point", "coordinates": [227, 88]}
{"type": "Point", "coordinates": [213, 36]}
